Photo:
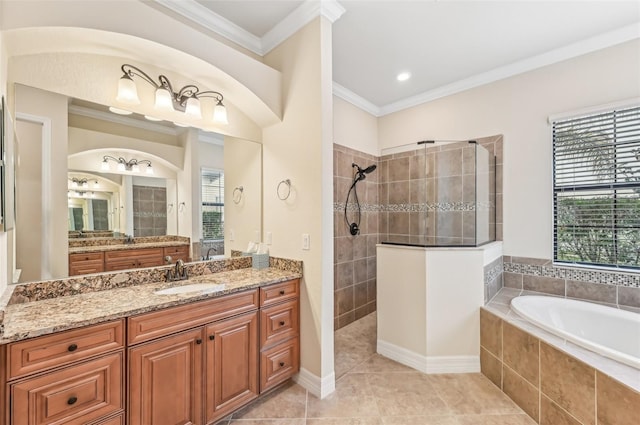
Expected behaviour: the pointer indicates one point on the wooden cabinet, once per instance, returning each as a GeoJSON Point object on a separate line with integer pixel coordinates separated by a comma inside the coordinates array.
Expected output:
{"type": "Point", "coordinates": [279, 332]}
{"type": "Point", "coordinates": [72, 377]}
{"type": "Point", "coordinates": [177, 253]}
{"type": "Point", "coordinates": [231, 365]}
{"type": "Point", "coordinates": [133, 258]}
{"type": "Point", "coordinates": [91, 262]}
{"type": "Point", "coordinates": [124, 259]}
{"type": "Point", "coordinates": [165, 380]}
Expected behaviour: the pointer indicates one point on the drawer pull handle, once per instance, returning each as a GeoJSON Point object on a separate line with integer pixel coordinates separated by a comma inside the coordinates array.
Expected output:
{"type": "Point", "coordinates": [282, 292]}
{"type": "Point", "coordinates": [72, 400]}
{"type": "Point", "coordinates": [198, 341]}
{"type": "Point", "coordinates": [72, 347]}
{"type": "Point", "coordinates": [281, 364]}
{"type": "Point", "coordinates": [212, 337]}
{"type": "Point", "coordinates": [282, 323]}
{"type": "Point", "coordinates": [86, 258]}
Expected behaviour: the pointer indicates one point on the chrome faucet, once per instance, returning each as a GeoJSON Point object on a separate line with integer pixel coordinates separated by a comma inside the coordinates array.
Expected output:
{"type": "Point", "coordinates": [179, 272]}
{"type": "Point", "coordinates": [215, 250]}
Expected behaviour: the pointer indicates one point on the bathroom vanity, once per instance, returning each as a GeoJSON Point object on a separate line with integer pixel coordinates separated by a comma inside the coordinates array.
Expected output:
{"type": "Point", "coordinates": [129, 355]}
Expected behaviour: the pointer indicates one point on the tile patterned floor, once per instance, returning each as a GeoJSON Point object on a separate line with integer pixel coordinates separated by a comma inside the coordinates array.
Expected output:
{"type": "Point", "coordinates": [372, 390]}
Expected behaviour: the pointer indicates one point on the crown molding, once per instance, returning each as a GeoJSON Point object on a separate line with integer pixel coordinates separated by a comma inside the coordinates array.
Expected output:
{"type": "Point", "coordinates": [209, 137]}
{"type": "Point", "coordinates": [121, 119]}
{"type": "Point", "coordinates": [204, 17]}
{"type": "Point", "coordinates": [362, 103]}
{"type": "Point", "coordinates": [301, 16]}
{"type": "Point", "coordinates": [589, 45]}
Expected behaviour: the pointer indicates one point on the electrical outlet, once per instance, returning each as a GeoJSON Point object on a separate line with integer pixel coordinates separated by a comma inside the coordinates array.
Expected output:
{"type": "Point", "coordinates": [232, 235]}
{"type": "Point", "coordinates": [305, 241]}
{"type": "Point", "coordinates": [269, 238]}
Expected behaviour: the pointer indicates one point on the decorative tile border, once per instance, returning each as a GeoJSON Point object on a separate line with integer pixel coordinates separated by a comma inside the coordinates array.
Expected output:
{"type": "Point", "coordinates": [421, 207]}
{"type": "Point", "coordinates": [493, 270]}
{"type": "Point", "coordinates": [576, 274]}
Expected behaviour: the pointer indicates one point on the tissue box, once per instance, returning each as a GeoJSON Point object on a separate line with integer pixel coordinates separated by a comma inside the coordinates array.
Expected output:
{"type": "Point", "coordinates": [260, 261]}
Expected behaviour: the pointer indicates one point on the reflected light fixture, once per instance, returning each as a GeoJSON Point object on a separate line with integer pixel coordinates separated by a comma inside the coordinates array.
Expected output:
{"type": "Point", "coordinates": [82, 183]}
{"type": "Point", "coordinates": [186, 100]}
{"type": "Point", "coordinates": [122, 164]}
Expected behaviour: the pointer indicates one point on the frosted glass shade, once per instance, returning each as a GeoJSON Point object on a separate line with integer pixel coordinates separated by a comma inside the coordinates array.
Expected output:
{"type": "Point", "coordinates": [105, 165]}
{"type": "Point", "coordinates": [193, 108]}
{"type": "Point", "coordinates": [149, 169]}
{"type": "Point", "coordinates": [220, 114]}
{"type": "Point", "coordinates": [127, 92]}
{"type": "Point", "coordinates": [163, 99]}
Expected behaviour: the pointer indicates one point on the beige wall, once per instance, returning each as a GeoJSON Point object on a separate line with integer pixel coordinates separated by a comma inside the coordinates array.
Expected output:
{"type": "Point", "coordinates": [299, 149]}
{"type": "Point", "coordinates": [52, 245]}
{"type": "Point", "coordinates": [242, 167]}
{"type": "Point", "coordinates": [518, 108]}
{"type": "Point", "coordinates": [354, 128]}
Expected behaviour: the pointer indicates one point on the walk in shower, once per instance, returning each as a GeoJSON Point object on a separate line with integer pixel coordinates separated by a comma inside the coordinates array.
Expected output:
{"type": "Point", "coordinates": [440, 194]}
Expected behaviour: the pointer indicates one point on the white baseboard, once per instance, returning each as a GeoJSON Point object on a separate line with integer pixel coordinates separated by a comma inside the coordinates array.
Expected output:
{"type": "Point", "coordinates": [424, 364]}
{"type": "Point", "coordinates": [319, 387]}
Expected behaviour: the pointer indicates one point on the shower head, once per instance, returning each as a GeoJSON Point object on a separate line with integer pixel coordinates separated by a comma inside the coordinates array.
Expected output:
{"type": "Point", "coordinates": [361, 173]}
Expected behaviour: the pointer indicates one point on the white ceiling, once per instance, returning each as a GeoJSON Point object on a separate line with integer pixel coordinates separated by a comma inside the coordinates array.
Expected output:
{"type": "Point", "coordinates": [447, 46]}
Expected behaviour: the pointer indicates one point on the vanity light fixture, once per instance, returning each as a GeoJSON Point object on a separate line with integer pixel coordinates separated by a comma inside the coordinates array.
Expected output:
{"type": "Point", "coordinates": [83, 183]}
{"type": "Point", "coordinates": [122, 164]}
{"type": "Point", "coordinates": [186, 100]}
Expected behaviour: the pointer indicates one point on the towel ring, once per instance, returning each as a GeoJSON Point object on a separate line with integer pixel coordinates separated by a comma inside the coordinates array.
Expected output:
{"type": "Point", "coordinates": [284, 197]}
{"type": "Point", "coordinates": [237, 194]}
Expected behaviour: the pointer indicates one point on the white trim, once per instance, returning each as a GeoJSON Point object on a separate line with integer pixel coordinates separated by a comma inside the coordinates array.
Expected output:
{"type": "Point", "coordinates": [349, 96]}
{"type": "Point", "coordinates": [121, 119]}
{"type": "Point", "coordinates": [301, 16]}
{"type": "Point", "coordinates": [209, 137]}
{"type": "Point", "coordinates": [197, 13]}
{"type": "Point", "coordinates": [426, 364]}
{"type": "Point", "coordinates": [319, 387]}
{"type": "Point", "coordinates": [602, 41]}
{"type": "Point", "coordinates": [47, 190]}
{"type": "Point", "coordinates": [591, 110]}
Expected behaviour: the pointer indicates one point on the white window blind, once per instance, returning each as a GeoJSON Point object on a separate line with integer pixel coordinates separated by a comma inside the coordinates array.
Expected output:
{"type": "Point", "coordinates": [212, 205]}
{"type": "Point", "coordinates": [597, 189]}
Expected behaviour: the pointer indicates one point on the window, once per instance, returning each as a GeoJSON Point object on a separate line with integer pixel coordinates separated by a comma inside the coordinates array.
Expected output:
{"type": "Point", "coordinates": [596, 193]}
{"type": "Point", "coordinates": [212, 205]}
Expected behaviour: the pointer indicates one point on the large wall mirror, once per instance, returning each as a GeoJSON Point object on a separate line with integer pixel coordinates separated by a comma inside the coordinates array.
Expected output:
{"type": "Point", "coordinates": [69, 183]}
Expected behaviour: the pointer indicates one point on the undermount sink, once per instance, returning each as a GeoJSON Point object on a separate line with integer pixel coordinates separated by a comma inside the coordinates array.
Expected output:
{"type": "Point", "coordinates": [194, 287]}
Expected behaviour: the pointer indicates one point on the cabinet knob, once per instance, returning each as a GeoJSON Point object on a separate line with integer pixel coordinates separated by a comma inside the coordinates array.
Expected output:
{"type": "Point", "coordinates": [198, 341]}
{"type": "Point", "coordinates": [281, 364]}
{"type": "Point", "coordinates": [72, 347]}
{"type": "Point", "coordinates": [282, 292]}
{"type": "Point", "coordinates": [72, 400]}
{"type": "Point", "coordinates": [282, 323]}
{"type": "Point", "coordinates": [86, 258]}
{"type": "Point", "coordinates": [212, 337]}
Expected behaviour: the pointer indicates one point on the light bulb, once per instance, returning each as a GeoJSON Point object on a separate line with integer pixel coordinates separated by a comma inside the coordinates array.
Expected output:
{"type": "Point", "coordinates": [163, 99]}
{"type": "Point", "coordinates": [220, 113]}
{"type": "Point", "coordinates": [127, 92]}
{"type": "Point", "coordinates": [193, 108]}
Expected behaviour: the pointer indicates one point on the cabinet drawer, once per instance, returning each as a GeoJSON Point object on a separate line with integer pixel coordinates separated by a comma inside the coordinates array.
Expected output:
{"type": "Point", "coordinates": [177, 251]}
{"type": "Point", "coordinates": [164, 322]}
{"type": "Point", "coordinates": [278, 323]}
{"type": "Point", "coordinates": [138, 253]}
{"type": "Point", "coordinates": [116, 420]}
{"type": "Point", "coordinates": [75, 395]}
{"type": "Point", "coordinates": [279, 363]}
{"type": "Point", "coordinates": [89, 256]}
{"type": "Point", "coordinates": [279, 292]}
{"type": "Point", "coordinates": [86, 267]}
{"type": "Point", "coordinates": [34, 355]}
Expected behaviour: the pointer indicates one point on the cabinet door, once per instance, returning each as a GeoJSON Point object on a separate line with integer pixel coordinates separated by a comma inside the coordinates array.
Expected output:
{"type": "Point", "coordinates": [74, 395]}
{"type": "Point", "coordinates": [165, 381]}
{"type": "Point", "coordinates": [231, 363]}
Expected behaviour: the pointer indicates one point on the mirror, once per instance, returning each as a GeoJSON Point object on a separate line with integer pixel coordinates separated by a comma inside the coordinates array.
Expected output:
{"type": "Point", "coordinates": [114, 203]}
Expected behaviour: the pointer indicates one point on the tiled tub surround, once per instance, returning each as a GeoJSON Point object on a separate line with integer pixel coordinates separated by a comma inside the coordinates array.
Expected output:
{"type": "Point", "coordinates": [493, 277]}
{"type": "Point", "coordinates": [95, 289]}
{"type": "Point", "coordinates": [540, 275]}
{"type": "Point", "coordinates": [354, 256]}
{"type": "Point", "coordinates": [555, 382]}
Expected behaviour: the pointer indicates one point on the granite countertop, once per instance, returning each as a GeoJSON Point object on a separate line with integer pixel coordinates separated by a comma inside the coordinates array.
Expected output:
{"type": "Point", "coordinates": [31, 319]}
{"type": "Point", "coordinates": [101, 248]}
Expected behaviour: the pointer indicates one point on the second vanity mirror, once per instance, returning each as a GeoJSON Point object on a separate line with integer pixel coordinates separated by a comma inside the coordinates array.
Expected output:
{"type": "Point", "coordinates": [87, 198]}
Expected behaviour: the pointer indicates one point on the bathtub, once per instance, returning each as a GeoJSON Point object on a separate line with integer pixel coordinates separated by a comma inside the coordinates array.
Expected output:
{"type": "Point", "coordinates": [605, 330]}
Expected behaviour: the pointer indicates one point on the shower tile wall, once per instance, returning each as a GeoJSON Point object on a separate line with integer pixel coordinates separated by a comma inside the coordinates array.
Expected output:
{"type": "Point", "coordinates": [149, 211]}
{"type": "Point", "coordinates": [354, 256]}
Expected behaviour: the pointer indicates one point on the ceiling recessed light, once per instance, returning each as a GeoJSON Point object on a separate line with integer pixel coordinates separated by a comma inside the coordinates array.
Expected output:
{"type": "Point", "coordinates": [403, 76]}
{"type": "Point", "coordinates": [119, 111]}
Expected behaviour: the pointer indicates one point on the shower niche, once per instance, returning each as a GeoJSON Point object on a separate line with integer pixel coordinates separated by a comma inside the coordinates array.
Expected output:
{"type": "Point", "coordinates": [440, 194]}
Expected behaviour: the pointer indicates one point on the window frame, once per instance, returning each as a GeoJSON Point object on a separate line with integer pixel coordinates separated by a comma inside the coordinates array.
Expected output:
{"type": "Point", "coordinates": [576, 188]}
{"type": "Point", "coordinates": [215, 204]}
